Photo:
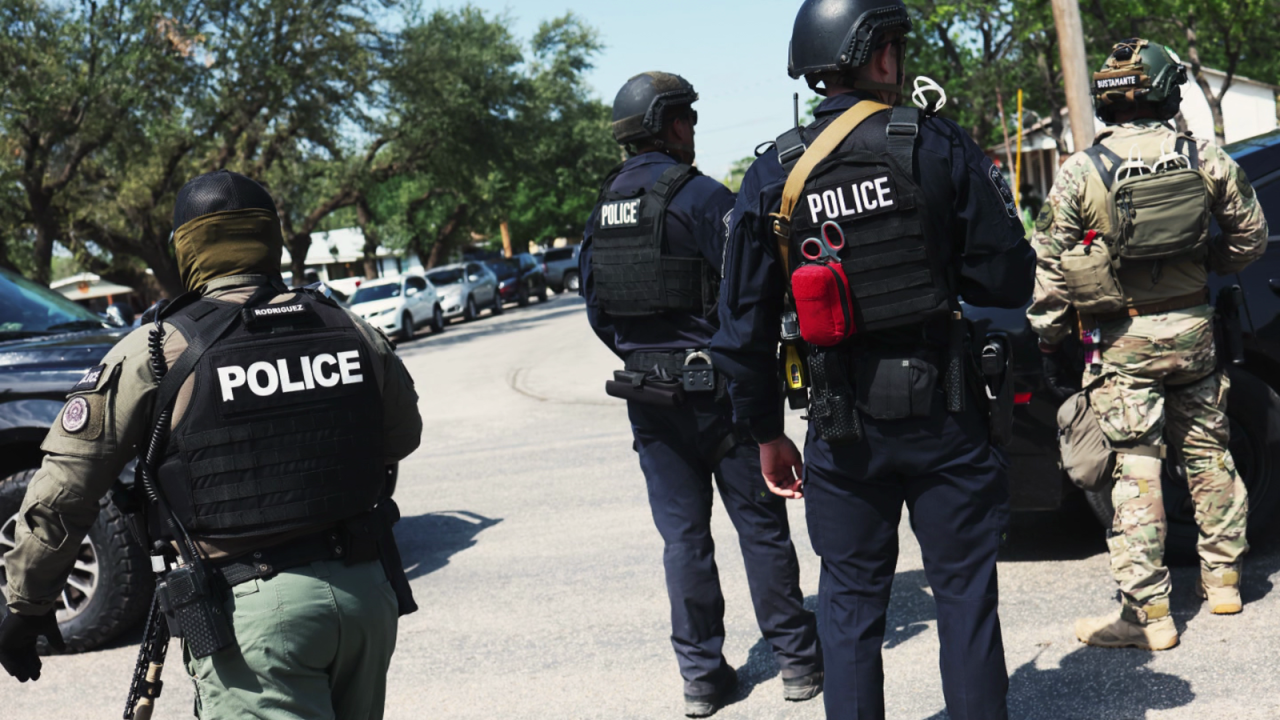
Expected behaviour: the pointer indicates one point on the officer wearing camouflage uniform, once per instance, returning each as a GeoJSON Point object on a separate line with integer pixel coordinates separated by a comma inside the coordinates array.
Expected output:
{"type": "Point", "coordinates": [650, 261]}
{"type": "Point", "coordinates": [314, 628]}
{"type": "Point", "coordinates": [1152, 374]}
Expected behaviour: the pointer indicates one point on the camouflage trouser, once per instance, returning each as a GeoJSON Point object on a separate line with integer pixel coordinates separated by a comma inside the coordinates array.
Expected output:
{"type": "Point", "coordinates": [1159, 381]}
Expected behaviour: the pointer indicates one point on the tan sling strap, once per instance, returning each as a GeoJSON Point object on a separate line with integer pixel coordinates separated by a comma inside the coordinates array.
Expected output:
{"type": "Point", "coordinates": [827, 142]}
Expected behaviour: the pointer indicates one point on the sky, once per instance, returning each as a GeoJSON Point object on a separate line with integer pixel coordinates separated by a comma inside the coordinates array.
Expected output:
{"type": "Point", "coordinates": [733, 51]}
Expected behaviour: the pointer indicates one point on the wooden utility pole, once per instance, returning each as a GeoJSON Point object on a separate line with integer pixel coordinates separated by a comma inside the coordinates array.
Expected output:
{"type": "Point", "coordinates": [1075, 71]}
{"type": "Point", "coordinates": [506, 239]}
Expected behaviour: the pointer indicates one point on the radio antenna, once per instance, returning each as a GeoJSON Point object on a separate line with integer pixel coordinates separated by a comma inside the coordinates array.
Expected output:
{"type": "Point", "coordinates": [795, 102]}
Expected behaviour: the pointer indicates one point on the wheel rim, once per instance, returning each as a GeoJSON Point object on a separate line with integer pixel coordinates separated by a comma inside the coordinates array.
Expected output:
{"type": "Point", "coordinates": [572, 282]}
{"type": "Point", "coordinates": [82, 584]}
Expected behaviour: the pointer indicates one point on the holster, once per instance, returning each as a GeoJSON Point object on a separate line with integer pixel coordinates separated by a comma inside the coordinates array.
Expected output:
{"type": "Point", "coordinates": [832, 408]}
{"type": "Point", "coordinates": [1230, 299]}
{"type": "Point", "coordinates": [633, 385]}
{"type": "Point", "coordinates": [383, 518]}
{"type": "Point", "coordinates": [998, 385]}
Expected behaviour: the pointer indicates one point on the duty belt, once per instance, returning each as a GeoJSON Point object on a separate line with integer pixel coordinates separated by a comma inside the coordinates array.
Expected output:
{"type": "Point", "coordinates": [1181, 302]}
{"type": "Point", "coordinates": [692, 368]}
{"type": "Point", "coordinates": [322, 546]}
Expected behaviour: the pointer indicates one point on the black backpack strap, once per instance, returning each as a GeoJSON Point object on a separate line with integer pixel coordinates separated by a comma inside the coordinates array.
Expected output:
{"type": "Point", "coordinates": [664, 191]}
{"type": "Point", "coordinates": [608, 181]}
{"type": "Point", "coordinates": [1097, 153]}
{"type": "Point", "coordinates": [1187, 145]}
{"type": "Point", "coordinates": [901, 134]}
{"type": "Point", "coordinates": [202, 325]}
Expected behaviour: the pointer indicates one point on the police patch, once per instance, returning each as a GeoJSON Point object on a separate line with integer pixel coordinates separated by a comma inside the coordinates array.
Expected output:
{"type": "Point", "coordinates": [75, 415]}
{"type": "Point", "coordinates": [89, 381]}
{"type": "Point", "coordinates": [1002, 188]}
{"type": "Point", "coordinates": [1045, 220]}
{"type": "Point", "coordinates": [620, 213]}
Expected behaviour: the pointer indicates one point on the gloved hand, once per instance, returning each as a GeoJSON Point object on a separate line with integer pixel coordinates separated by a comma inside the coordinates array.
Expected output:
{"type": "Point", "coordinates": [1059, 376]}
{"type": "Point", "coordinates": [18, 635]}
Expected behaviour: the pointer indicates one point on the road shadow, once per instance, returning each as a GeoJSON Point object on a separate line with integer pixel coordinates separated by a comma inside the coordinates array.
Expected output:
{"type": "Point", "coordinates": [1069, 533]}
{"type": "Point", "coordinates": [1092, 684]}
{"type": "Point", "coordinates": [428, 541]}
{"type": "Point", "coordinates": [487, 325]}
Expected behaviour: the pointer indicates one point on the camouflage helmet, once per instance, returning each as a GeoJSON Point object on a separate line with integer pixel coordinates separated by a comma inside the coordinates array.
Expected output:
{"type": "Point", "coordinates": [639, 110]}
{"type": "Point", "coordinates": [1139, 71]}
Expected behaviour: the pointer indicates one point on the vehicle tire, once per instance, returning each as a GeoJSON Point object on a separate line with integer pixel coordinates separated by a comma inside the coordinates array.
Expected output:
{"type": "Point", "coordinates": [437, 320]}
{"type": "Point", "coordinates": [542, 294]}
{"type": "Point", "coordinates": [571, 282]}
{"type": "Point", "coordinates": [406, 327]}
{"type": "Point", "coordinates": [1254, 411]}
{"type": "Point", "coordinates": [110, 588]}
{"type": "Point", "coordinates": [498, 306]}
{"type": "Point", "coordinates": [522, 296]}
{"type": "Point", "coordinates": [559, 288]}
{"type": "Point", "coordinates": [471, 312]}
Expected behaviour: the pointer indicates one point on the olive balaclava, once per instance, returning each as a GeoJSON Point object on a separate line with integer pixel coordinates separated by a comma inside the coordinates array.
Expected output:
{"type": "Point", "coordinates": [225, 224]}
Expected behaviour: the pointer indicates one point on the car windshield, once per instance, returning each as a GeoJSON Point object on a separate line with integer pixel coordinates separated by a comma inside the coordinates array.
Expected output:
{"type": "Point", "coordinates": [445, 277]}
{"type": "Point", "coordinates": [30, 309]}
{"type": "Point", "coordinates": [556, 255]}
{"type": "Point", "coordinates": [501, 268]}
{"type": "Point", "coordinates": [369, 293]}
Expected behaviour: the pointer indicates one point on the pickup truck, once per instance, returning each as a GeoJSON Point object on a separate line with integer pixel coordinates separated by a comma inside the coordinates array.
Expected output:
{"type": "Point", "coordinates": [46, 344]}
{"type": "Point", "coordinates": [1253, 407]}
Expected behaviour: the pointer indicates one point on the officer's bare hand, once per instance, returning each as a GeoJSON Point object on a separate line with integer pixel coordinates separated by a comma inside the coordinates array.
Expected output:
{"type": "Point", "coordinates": [782, 467]}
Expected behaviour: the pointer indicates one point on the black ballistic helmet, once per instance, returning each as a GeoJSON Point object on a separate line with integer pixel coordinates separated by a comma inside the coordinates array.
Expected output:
{"type": "Point", "coordinates": [639, 110]}
{"type": "Point", "coordinates": [217, 192]}
{"type": "Point", "coordinates": [839, 35]}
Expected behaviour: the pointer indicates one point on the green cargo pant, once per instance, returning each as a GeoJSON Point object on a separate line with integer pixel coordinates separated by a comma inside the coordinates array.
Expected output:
{"type": "Point", "coordinates": [313, 642]}
{"type": "Point", "coordinates": [1158, 382]}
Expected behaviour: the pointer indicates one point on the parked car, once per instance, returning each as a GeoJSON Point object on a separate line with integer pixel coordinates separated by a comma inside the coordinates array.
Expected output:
{"type": "Point", "coordinates": [520, 277]}
{"type": "Point", "coordinates": [465, 288]}
{"type": "Point", "coordinates": [399, 305]}
{"type": "Point", "coordinates": [1253, 407]}
{"type": "Point", "coordinates": [562, 268]}
{"type": "Point", "coordinates": [47, 343]}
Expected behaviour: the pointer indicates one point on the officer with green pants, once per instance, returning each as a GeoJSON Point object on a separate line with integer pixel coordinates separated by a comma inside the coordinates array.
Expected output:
{"type": "Point", "coordinates": [273, 415]}
{"type": "Point", "coordinates": [1124, 242]}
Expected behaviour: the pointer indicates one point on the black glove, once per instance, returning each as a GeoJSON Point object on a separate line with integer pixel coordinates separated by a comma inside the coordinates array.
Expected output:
{"type": "Point", "coordinates": [18, 635]}
{"type": "Point", "coordinates": [1060, 377]}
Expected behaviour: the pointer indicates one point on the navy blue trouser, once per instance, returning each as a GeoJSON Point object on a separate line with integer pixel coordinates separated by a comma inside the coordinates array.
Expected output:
{"type": "Point", "coordinates": [677, 448]}
{"type": "Point", "coordinates": [953, 484]}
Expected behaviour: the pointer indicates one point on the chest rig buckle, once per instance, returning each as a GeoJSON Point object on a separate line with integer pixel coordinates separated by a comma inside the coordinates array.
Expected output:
{"type": "Point", "coordinates": [700, 377]}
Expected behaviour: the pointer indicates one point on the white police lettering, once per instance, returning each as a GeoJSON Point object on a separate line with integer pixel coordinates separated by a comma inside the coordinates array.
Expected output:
{"type": "Point", "coordinates": [290, 375]}
{"type": "Point", "coordinates": [620, 214]}
{"type": "Point", "coordinates": [861, 197]}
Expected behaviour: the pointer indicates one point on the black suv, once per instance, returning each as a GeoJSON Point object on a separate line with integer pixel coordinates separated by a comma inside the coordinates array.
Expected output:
{"type": "Point", "coordinates": [46, 344]}
{"type": "Point", "coordinates": [520, 277]}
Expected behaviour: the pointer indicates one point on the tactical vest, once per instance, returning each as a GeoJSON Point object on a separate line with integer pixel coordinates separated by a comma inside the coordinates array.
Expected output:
{"type": "Point", "coordinates": [633, 272]}
{"type": "Point", "coordinates": [867, 187]}
{"type": "Point", "coordinates": [284, 426]}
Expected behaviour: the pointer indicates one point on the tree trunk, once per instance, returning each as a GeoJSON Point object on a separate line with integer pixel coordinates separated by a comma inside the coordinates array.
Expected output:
{"type": "Point", "coordinates": [364, 218]}
{"type": "Point", "coordinates": [1197, 71]}
{"type": "Point", "coordinates": [46, 233]}
{"type": "Point", "coordinates": [450, 225]}
{"type": "Point", "coordinates": [298, 244]}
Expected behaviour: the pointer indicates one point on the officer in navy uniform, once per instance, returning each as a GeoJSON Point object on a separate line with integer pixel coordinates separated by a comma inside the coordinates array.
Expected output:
{"type": "Point", "coordinates": [895, 415]}
{"type": "Point", "coordinates": [650, 262]}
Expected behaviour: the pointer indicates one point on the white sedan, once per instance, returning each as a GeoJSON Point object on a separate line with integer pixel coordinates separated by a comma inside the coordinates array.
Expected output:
{"type": "Point", "coordinates": [399, 305]}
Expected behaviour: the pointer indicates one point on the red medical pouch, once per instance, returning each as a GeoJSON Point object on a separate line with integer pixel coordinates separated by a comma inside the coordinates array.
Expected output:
{"type": "Point", "coordinates": [824, 304]}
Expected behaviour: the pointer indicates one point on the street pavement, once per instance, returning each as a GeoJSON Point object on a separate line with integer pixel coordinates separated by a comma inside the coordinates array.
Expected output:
{"type": "Point", "coordinates": [532, 554]}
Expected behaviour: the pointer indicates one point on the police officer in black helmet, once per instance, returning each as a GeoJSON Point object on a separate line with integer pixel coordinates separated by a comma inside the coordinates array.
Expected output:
{"type": "Point", "coordinates": [851, 244]}
{"type": "Point", "coordinates": [650, 265]}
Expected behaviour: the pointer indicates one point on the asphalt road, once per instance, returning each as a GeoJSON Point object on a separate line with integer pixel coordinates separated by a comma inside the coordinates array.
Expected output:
{"type": "Point", "coordinates": [535, 562]}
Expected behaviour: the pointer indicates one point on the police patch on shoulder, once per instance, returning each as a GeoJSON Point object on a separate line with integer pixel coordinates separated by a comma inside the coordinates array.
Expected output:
{"type": "Point", "coordinates": [1002, 187]}
{"type": "Point", "coordinates": [1045, 220]}
{"type": "Point", "coordinates": [75, 415]}
{"type": "Point", "coordinates": [89, 381]}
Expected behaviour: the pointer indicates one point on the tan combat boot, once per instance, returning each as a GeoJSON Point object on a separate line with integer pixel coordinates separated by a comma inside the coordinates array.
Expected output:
{"type": "Point", "coordinates": [1117, 631]}
{"type": "Point", "coordinates": [1221, 592]}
